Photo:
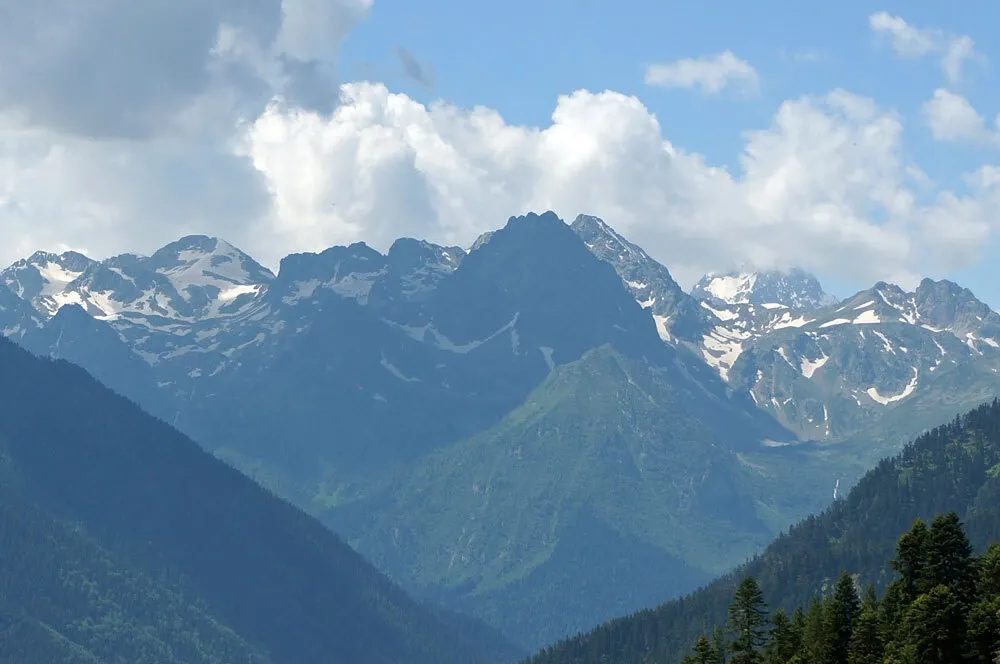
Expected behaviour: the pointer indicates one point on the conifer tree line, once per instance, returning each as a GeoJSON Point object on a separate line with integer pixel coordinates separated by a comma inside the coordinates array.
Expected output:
{"type": "Point", "coordinates": [943, 607]}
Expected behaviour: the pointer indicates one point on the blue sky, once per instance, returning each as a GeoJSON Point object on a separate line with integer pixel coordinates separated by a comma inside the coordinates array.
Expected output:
{"type": "Point", "coordinates": [855, 140]}
{"type": "Point", "coordinates": [517, 57]}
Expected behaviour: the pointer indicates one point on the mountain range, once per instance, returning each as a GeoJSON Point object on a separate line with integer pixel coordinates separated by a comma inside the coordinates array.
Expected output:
{"type": "Point", "coordinates": [504, 429]}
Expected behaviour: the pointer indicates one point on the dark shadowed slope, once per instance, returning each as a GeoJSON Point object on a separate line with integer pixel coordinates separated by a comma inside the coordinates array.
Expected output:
{"type": "Point", "coordinates": [183, 541]}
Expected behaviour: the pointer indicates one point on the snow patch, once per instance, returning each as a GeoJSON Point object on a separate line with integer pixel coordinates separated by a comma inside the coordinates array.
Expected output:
{"type": "Point", "coordinates": [809, 367]}
{"type": "Point", "coordinates": [786, 320]}
{"type": "Point", "coordinates": [56, 277]}
{"type": "Point", "coordinates": [867, 317]}
{"type": "Point", "coordinates": [885, 342]}
{"type": "Point", "coordinates": [444, 343]}
{"type": "Point", "coordinates": [355, 285]}
{"type": "Point", "coordinates": [547, 354]}
{"type": "Point", "coordinates": [721, 314]}
{"type": "Point", "coordinates": [661, 326]}
{"type": "Point", "coordinates": [731, 289]}
{"type": "Point", "coordinates": [721, 348]}
{"type": "Point", "coordinates": [907, 391]}
{"type": "Point", "coordinates": [391, 368]}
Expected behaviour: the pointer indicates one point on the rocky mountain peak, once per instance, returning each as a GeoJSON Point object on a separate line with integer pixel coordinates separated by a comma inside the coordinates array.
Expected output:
{"type": "Point", "coordinates": [201, 260]}
{"type": "Point", "coordinates": [946, 305]}
{"type": "Point", "coordinates": [605, 241]}
{"type": "Point", "coordinates": [407, 254]}
{"type": "Point", "coordinates": [538, 277]}
{"type": "Point", "coordinates": [794, 288]}
{"type": "Point", "coordinates": [677, 314]}
{"type": "Point", "coordinates": [348, 271]}
{"type": "Point", "coordinates": [43, 275]}
{"type": "Point", "coordinates": [481, 240]}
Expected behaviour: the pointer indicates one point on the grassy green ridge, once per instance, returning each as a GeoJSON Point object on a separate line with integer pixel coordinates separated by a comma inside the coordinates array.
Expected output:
{"type": "Point", "coordinates": [598, 462]}
{"type": "Point", "coordinates": [951, 468]}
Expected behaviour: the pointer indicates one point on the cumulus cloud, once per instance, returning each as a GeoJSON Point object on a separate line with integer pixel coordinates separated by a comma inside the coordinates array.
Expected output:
{"type": "Point", "coordinates": [951, 117]}
{"type": "Point", "coordinates": [120, 68]}
{"type": "Point", "coordinates": [710, 73]}
{"type": "Point", "coordinates": [825, 186]}
{"type": "Point", "coordinates": [111, 197]}
{"type": "Point", "coordinates": [117, 117]}
{"type": "Point", "coordinates": [246, 137]}
{"type": "Point", "coordinates": [910, 42]}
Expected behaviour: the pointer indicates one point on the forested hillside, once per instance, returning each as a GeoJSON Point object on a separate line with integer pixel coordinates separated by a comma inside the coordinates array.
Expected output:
{"type": "Point", "coordinates": [943, 607]}
{"type": "Point", "coordinates": [123, 541]}
{"type": "Point", "coordinates": [955, 467]}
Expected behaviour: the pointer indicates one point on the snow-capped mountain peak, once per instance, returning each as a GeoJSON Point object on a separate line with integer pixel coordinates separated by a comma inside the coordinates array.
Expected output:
{"type": "Point", "coordinates": [197, 261]}
{"type": "Point", "coordinates": [194, 277]}
{"type": "Point", "coordinates": [40, 278]}
{"type": "Point", "coordinates": [794, 289]}
{"type": "Point", "coordinates": [938, 306]}
{"type": "Point", "coordinates": [732, 288]}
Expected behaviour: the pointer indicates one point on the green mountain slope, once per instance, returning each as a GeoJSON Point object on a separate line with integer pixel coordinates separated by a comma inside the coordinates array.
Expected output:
{"type": "Point", "coordinates": [600, 493]}
{"type": "Point", "coordinates": [169, 550]}
{"type": "Point", "coordinates": [955, 467]}
{"type": "Point", "coordinates": [65, 598]}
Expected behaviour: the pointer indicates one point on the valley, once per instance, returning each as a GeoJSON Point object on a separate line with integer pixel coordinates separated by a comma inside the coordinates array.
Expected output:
{"type": "Point", "coordinates": [504, 428]}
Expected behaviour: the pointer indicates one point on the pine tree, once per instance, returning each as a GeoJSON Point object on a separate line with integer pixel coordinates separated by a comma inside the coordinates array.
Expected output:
{"type": "Point", "coordinates": [785, 641]}
{"type": "Point", "coordinates": [935, 628]}
{"type": "Point", "coordinates": [816, 635]}
{"type": "Point", "coordinates": [949, 556]}
{"type": "Point", "coordinates": [911, 559]}
{"type": "Point", "coordinates": [799, 623]}
{"type": "Point", "coordinates": [720, 645]}
{"type": "Point", "coordinates": [841, 613]}
{"type": "Point", "coordinates": [704, 653]}
{"type": "Point", "coordinates": [748, 622]}
{"type": "Point", "coordinates": [891, 613]}
{"type": "Point", "coordinates": [989, 572]}
{"type": "Point", "coordinates": [866, 641]}
{"type": "Point", "coordinates": [983, 624]}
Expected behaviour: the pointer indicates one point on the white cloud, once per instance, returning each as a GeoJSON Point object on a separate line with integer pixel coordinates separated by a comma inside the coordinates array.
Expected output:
{"type": "Point", "coordinates": [825, 186]}
{"type": "Point", "coordinates": [958, 51]}
{"type": "Point", "coordinates": [117, 117]}
{"type": "Point", "coordinates": [710, 73]}
{"type": "Point", "coordinates": [907, 41]}
{"type": "Point", "coordinates": [910, 42]}
{"type": "Point", "coordinates": [121, 68]}
{"type": "Point", "coordinates": [951, 117]}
